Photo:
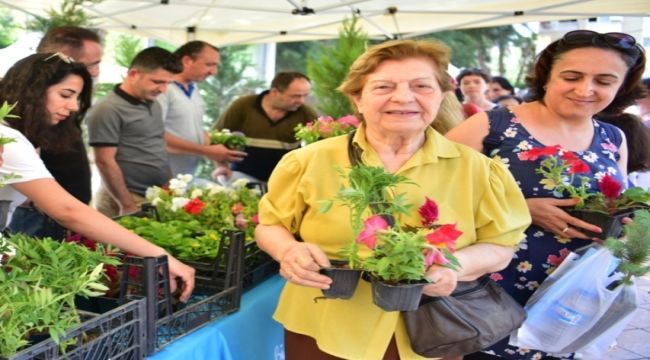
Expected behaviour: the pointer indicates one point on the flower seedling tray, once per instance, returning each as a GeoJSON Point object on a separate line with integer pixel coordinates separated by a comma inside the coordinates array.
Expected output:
{"type": "Point", "coordinates": [168, 319]}
{"type": "Point", "coordinates": [116, 334]}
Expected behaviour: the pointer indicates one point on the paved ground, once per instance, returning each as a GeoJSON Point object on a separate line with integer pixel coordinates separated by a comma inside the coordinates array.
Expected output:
{"type": "Point", "coordinates": [634, 342]}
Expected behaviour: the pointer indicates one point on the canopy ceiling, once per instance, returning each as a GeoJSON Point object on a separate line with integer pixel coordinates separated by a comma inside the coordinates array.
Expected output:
{"type": "Point", "coordinates": [225, 22]}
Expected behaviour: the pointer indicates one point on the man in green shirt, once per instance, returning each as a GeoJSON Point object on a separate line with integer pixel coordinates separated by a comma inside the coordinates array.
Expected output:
{"type": "Point", "coordinates": [268, 121]}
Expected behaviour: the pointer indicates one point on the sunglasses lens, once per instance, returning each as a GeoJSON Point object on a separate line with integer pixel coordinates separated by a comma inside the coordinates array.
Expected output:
{"type": "Point", "coordinates": [615, 39]}
{"type": "Point", "coordinates": [621, 39]}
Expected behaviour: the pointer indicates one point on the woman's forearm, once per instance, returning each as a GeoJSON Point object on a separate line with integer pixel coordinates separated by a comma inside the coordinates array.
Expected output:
{"type": "Point", "coordinates": [482, 258]}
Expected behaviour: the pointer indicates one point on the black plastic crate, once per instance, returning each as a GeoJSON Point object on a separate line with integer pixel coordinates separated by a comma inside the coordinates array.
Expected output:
{"type": "Point", "coordinates": [258, 266]}
{"type": "Point", "coordinates": [213, 296]}
{"type": "Point", "coordinates": [117, 334]}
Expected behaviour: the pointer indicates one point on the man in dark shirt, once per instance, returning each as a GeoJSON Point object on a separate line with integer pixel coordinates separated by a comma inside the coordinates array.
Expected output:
{"type": "Point", "coordinates": [268, 120]}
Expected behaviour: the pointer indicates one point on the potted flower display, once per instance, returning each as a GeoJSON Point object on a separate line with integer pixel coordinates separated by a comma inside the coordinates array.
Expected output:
{"type": "Point", "coordinates": [606, 207]}
{"type": "Point", "coordinates": [234, 140]}
{"type": "Point", "coordinates": [400, 254]}
{"type": "Point", "coordinates": [325, 127]}
{"type": "Point", "coordinates": [366, 187]}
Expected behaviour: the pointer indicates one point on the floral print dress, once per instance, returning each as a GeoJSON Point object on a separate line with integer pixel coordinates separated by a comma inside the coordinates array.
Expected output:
{"type": "Point", "coordinates": [541, 251]}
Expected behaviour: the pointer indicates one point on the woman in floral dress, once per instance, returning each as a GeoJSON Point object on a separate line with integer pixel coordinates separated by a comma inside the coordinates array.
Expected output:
{"type": "Point", "coordinates": [582, 74]}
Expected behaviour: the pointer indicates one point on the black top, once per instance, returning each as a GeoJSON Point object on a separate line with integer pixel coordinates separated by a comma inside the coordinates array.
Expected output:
{"type": "Point", "coordinates": [71, 170]}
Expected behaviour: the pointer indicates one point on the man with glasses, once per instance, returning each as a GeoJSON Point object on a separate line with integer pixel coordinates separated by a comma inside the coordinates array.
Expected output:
{"type": "Point", "coordinates": [268, 120]}
{"type": "Point", "coordinates": [183, 109]}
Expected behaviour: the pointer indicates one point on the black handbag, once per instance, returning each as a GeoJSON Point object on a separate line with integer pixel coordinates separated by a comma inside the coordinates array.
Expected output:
{"type": "Point", "coordinates": [475, 316]}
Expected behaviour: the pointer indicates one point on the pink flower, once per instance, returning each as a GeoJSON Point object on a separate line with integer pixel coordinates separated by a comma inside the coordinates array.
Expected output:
{"type": "Point", "coordinates": [435, 256]}
{"type": "Point", "coordinates": [610, 187]}
{"type": "Point", "coordinates": [445, 236]}
{"type": "Point", "coordinates": [325, 119]}
{"type": "Point", "coordinates": [256, 219]}
{"type": "Point", "coordinates": [496, 276]}
{"type": "Point", "coordinates": [371, 226]}
{"type": "Point", "coordinates": [350, 120]}
{"type": "Point", "coordinates": [240, 221]}
{"type": "Point", "coordinates": [326, 129]}
{"type": "Point", "coordinates": [429, 212]}
{"type": "Point", "coordinates": [609, 146]}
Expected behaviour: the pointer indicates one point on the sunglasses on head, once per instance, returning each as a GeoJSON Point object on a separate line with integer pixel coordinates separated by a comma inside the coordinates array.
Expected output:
{"type": "Point", "coordinates": [615, 39]}
{"type": "Point", "coordinates": [60, 56]}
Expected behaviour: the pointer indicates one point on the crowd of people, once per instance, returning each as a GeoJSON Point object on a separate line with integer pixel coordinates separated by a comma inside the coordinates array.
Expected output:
{"type": "Point", "coordinates": [416, 121]}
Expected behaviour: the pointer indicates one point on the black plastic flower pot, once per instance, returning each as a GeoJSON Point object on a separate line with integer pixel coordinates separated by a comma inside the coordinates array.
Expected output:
{"type": "Point", "coordinates": [344, 280]}
{"type": "Point", "coordinates": [396, 297]}
{"type": "Point", "coordinates": [609, 223]}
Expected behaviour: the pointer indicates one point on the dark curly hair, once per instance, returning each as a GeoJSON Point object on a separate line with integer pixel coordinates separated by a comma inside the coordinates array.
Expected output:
{"type": "Point", "coordinates": [633, 56]}
{"type": "Point", "coordinates": [638, 139]}
{"type": "Point", "coordinates": [26, 84]}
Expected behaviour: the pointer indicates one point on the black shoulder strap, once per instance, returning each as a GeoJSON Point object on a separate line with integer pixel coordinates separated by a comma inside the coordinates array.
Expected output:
{"type": "Point", "coordinates": [354, 151]}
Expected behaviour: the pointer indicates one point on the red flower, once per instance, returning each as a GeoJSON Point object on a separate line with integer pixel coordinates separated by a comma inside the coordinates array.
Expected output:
{"type": "Point", "coordinates": [429, 212]}
{"type": "Point", "coordinates": [371, 226]}
{"type": "Point", "coordinates": [578, 166]}
{"type": "Point", "coordinates": [445, 235]}
{"type": "Point", "coordinates": [534, 153]}
{"type": "Point", "coordinates": [256, 219]}
{"type": "Point", "coordinates": [237, 208]}
{"type": "Point", "coordinates": [557, 260]}
{"type": "Point", "coordinates": [610, 187]}
{"type": "Point", "coordinates": [194, 207]}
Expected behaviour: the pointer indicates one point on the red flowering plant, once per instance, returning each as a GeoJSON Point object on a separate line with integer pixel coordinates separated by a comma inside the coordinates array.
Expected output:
{"type": "Point", "coordinates": [564, 172]}
{"type": "Point", "coordinates": [325, 127]}
{"type": "Point", "coordinates": [398, 253]}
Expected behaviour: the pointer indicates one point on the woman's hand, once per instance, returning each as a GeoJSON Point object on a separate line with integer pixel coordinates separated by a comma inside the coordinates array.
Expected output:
{"type": "Point", "coordinates": [548, 214]}
{"type": "Point", "coordinates": [443, 281]}
{"type": "Point", "coordinates": [300, 264]}
{"type": "Point", "coordinates": [186, 273]}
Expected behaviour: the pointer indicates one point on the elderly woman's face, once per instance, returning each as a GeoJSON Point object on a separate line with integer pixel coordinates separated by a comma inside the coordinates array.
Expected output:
{"type": "Point", "coordinates": [584, 81]}
{"type": "Point", "coordinates": [400, 97]}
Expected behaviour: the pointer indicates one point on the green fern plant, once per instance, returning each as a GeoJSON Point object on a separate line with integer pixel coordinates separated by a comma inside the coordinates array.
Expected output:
{"type": "Point", "coordinates": [634, 248]}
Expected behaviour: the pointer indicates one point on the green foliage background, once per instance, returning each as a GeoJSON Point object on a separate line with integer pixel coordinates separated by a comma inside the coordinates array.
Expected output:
{"type": "Point", "coordinates": [329, 65]}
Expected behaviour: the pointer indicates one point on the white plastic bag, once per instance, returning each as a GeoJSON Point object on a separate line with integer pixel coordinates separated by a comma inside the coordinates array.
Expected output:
{"type": "Point", "coordinates": [569, 303]}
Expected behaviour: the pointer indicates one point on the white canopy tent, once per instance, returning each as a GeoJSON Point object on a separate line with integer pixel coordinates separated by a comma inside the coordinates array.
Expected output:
{"type": "Point", "coordinates": [225, 22]}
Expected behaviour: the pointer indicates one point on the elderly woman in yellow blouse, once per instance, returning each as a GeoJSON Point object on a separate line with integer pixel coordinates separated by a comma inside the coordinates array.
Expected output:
{"type": "Point", "coordinates": [397, 88]}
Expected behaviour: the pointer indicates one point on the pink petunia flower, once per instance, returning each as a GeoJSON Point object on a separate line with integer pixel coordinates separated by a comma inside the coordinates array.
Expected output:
{"type": "Point", "coordinates": [371, 226]}
{"type": "Point", "coordinates": [435, 256]}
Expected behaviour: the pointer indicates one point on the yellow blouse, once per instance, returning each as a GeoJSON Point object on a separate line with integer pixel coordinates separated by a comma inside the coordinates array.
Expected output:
{"type": "Point", "coordinates": [477, 193]}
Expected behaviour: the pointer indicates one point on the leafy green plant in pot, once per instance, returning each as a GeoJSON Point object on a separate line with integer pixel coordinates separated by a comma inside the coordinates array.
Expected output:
{"type": "Point", "coordinates": [39, 280]}
{"type": "Point", "coordinates": [366, 191]}
{"type": "Point", "coordinates": [401, 256]}
{"type": "Point", "coordinates": [605, 207]}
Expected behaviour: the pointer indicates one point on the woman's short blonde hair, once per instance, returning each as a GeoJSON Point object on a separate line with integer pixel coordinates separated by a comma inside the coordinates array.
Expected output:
{"type": "Point", "coordinates": [367, 63]}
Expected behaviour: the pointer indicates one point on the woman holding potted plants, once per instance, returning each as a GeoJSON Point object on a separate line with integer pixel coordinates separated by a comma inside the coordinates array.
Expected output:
{"type": "Point", "coordinates": [50, 90]}
{"type": "Point", "coordinates": [576, 77]}
{"type": "Point", "coordinates": [396, 88]}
